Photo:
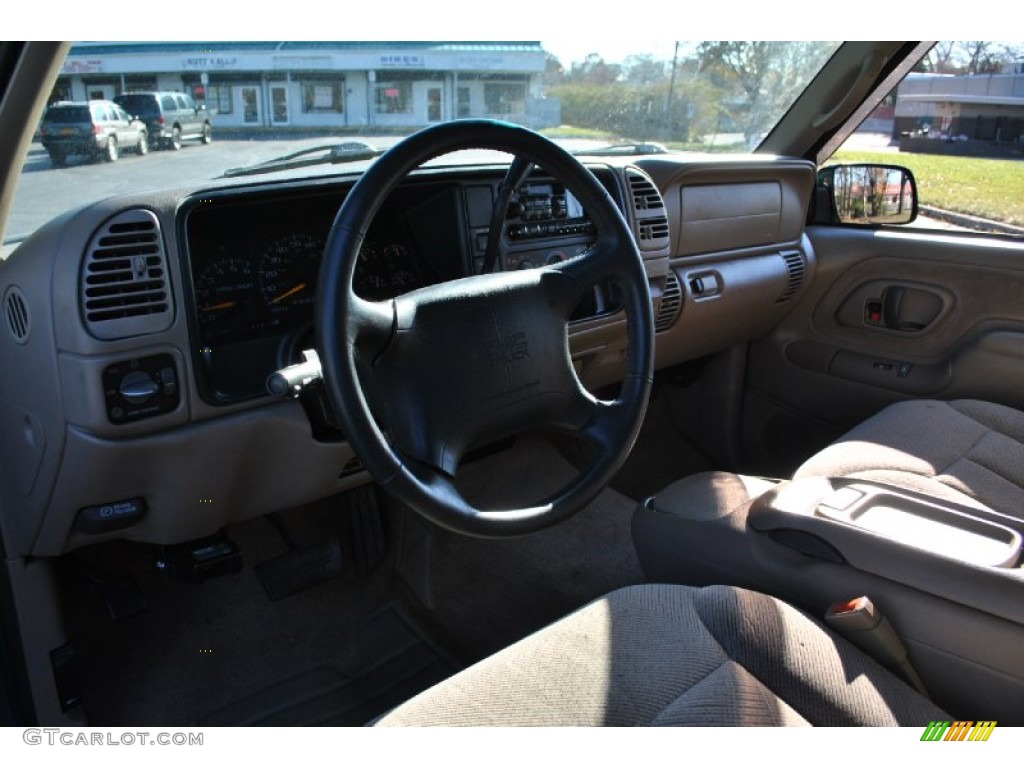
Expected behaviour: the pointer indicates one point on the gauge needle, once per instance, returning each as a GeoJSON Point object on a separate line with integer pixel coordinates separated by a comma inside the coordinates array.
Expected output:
{"type": "Point", "coordinates": [215, 307]}
{"type": "Point", "coordinates": [289, 292]}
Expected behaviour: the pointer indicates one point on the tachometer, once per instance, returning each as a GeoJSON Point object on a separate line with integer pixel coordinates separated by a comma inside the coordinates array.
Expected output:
{"type": "Point", "coordinates": [288, 272]}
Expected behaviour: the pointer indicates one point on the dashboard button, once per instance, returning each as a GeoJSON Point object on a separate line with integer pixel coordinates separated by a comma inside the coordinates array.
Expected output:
{"type": "Point", "coordinates": [168, 382]}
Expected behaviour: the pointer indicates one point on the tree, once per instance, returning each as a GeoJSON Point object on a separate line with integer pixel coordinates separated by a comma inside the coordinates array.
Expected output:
{"type": "Point", "coordinates": [981, 57]}
{"type": "Point", "coordinates": [594, 71]}
{"type": "Point", "coordinates": [759, 79]}
{"type": "Point", "coordinates": [940, 59]}
{"type": "Point", "coordinates": [554, 72]}
{"type": "Point", "coordinates": [643, 70]}
{"type": "Point", "coordinates": [970, 57]}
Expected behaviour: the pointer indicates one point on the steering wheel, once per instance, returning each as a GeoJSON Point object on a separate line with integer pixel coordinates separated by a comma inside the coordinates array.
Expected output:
{"type": "Point", "coordinates": [474, 360]}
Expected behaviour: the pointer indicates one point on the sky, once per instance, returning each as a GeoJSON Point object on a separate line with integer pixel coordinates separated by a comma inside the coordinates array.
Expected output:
{"type": "Point", "coordinates": [572, 25]}
{"type": "Point", "coordinates": [569, 50]}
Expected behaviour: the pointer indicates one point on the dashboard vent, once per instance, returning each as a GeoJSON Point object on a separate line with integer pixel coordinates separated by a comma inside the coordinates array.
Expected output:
{"type": "Point", "coordinates": [671, 304]}
{"type": "Point", "coordinates": [124, 279]}
{"type": "Point", "coordinates": [652, 230]}
{"type": "Point", "coordinates": [16, 314]}
{"type": "Point", "coordinates": [795, 266]}
{"type": "Point", "coordinates": [645, 195]}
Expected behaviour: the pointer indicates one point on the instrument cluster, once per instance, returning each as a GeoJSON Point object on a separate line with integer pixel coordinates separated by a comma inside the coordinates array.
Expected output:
{"type": "Point", "coordinates": [254, 261]}
{"type": "Point", "coordinates": [254, 267]}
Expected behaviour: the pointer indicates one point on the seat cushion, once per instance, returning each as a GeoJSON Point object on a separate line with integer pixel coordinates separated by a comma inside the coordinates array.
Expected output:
{"type": "Point", "coordinates": [674, 655]}
{"type": "Point", "coordinates": [967, 451]}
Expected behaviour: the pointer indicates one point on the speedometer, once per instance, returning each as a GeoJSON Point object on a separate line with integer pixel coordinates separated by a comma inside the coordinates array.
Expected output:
{"type": "Point", "coordinates": [288, 272]}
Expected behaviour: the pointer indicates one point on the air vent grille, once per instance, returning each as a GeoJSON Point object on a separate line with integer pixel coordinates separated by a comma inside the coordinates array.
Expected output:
{"type": "Point", "coordinates": [16, 314]}
{"type": "Point", "coordinates": [646, 196]}
{"type": "Point", "coordinates": [649, 219]}
{"type": "Point", "coordinates": [671, 304]}
{"type": "Point", "coordinates": [796, 268]}
{"type": "Point", "coordinates": [125, 291]}
{"type": "Point", "coordinates": [653, 230]}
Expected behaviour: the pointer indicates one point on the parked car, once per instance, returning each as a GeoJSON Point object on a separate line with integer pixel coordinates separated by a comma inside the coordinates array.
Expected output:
{"type": "Point", "coordinates": [170, 117]}
{"type": "Point", "coordinates": [100, 129]}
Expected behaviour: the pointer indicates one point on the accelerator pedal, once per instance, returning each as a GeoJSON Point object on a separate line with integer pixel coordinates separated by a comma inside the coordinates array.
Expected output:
{"type": "Point", "coordinates": [367, 528]}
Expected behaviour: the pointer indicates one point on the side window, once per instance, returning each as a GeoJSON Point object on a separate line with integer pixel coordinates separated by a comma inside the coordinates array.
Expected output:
{"type": "Point", "coordinates": [167, 102]}
{"type": "Point", "coordinates": [182, 103]}
{"type": "Point", "coordinates": [957, 122]}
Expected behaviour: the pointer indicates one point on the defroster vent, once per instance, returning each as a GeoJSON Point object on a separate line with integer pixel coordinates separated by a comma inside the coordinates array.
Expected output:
{"type": "Point", "coordinates": [125, 291]}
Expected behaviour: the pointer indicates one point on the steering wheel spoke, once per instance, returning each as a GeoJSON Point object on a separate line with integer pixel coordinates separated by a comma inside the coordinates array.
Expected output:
{"type": "Point", "coordinates": [571, 280]}
{"type": "Point", "coordinates": [371, 325]}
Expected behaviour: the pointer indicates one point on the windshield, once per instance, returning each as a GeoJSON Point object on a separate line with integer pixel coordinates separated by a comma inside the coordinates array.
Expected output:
{"type": "Point", "coordinates": [253, 102]}
{"type": "Point", "coordinates": [68, 114]}
{"type": "Point", "coordinates": [141, 105]}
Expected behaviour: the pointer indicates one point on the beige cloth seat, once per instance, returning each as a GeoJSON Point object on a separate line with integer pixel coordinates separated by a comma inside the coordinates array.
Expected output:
{"type": "Point", "coordinates": [674, 655]}
{"type": "Point", "coordinates": [967, 451]}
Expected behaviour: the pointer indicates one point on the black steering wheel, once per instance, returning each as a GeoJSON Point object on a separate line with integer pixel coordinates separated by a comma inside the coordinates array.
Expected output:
{"type": "Point", "coordinates": [474, 360]}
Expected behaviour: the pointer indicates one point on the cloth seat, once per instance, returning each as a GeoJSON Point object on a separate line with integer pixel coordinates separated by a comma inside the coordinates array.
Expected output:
{"type": "Point", "coordinates": [664, 655]}
{"type": "Point", "coordinates": [967, 451]}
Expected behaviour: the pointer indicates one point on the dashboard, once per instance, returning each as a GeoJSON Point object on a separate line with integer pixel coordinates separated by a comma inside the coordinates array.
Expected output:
{"type": "Point", "coordinates": [253, 263]}
{"type": "Point", "coordinates": [141, 329]}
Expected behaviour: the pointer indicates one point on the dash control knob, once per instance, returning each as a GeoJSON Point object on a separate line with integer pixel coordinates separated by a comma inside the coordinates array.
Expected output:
{"type": "Point", "coordinates": [138, 387]}
{"type": "Point", "coordinates": [141, 387]}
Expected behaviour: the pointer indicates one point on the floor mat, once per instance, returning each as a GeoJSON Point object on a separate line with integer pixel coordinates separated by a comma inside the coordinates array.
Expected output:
{"type": "Point", "coordinates": [201, 647]}
{"type": "Point", "coordinates": [491, 592]}
{"type": "Point", "coordinates": [397, 663]}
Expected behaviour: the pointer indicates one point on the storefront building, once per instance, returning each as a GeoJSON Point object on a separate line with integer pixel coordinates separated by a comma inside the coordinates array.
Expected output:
{"type": "Point", "coordinates": [335, 85]}
{"type": "Point", "coordinates": [976, 114]}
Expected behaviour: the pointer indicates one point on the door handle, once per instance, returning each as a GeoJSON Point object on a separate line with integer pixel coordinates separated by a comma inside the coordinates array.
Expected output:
{"type": "Point", "coordinates": [892, 300]}
{"type": "Point", "coordinates": [908, 309]}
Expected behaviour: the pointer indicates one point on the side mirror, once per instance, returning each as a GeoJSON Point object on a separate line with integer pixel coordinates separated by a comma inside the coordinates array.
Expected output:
{"type": "Point", "coordinates": [865, 194]}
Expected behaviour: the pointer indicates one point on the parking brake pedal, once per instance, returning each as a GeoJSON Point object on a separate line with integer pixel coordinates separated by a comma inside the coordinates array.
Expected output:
{"type": "Point", "coordinates": [121, 595]}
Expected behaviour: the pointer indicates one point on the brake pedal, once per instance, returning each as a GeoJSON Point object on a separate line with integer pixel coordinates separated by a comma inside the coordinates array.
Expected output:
{"type": "Point", "coordinates": [300, 569]}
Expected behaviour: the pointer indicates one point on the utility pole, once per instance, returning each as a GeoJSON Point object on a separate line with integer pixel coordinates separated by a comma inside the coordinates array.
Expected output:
{"type": "Point", "coordinates": [671, 93]}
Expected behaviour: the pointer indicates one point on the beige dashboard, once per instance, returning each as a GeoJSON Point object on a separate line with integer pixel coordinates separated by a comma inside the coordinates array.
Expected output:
{"type": "Point", "coordinates": [152, 424]}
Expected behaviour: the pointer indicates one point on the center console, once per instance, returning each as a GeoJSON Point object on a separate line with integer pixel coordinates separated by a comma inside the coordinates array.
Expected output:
{"type": "Point", "coordinates": [948, 577]}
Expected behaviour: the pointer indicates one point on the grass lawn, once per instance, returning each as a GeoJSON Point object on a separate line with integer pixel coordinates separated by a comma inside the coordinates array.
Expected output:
{"type": "Point", "coordinates": [575, 132]}
{"type": "Point", "coordinates": [992, 189]}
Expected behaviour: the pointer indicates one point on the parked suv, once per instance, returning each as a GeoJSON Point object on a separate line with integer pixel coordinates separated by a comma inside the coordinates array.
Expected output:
{"type": "Point", "coordinates": [100, 129]}
{"type": "Point", "coordinates": [170, 117]}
